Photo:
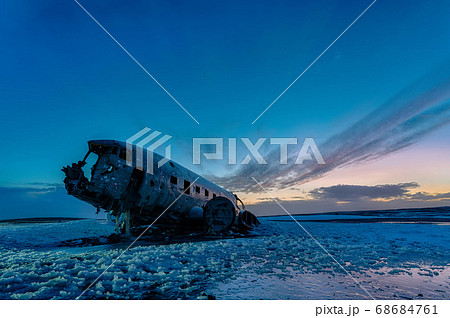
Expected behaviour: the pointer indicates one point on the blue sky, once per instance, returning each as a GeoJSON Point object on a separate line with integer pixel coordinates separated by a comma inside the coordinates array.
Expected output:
{"type": "Point", "coordinates": [64, 81]}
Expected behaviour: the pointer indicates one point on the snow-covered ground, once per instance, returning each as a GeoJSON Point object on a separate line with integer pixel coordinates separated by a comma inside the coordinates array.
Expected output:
{"type": "Point", "coordinates": [390, 260]}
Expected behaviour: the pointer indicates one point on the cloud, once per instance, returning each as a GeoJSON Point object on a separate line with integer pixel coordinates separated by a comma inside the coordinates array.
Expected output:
{"type": "Point", "coordinates": [400, 122]}
{"type": "Point", "coordinates": [343, 192]}
{"type": "Point", "coordinates": [46, 184]}
{"type": "Point", "coordinates": [41, 201]}
{"type": "Point", "coordinates": [344, 197]}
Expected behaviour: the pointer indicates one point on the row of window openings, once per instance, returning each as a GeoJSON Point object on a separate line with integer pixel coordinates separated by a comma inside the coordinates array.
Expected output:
{"type": "Point", "coordinates": [187, 187]}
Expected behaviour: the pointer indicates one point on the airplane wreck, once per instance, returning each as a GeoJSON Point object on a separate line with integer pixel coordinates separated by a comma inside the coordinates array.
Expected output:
{"type": "Point", "coordinates": [168, 199]}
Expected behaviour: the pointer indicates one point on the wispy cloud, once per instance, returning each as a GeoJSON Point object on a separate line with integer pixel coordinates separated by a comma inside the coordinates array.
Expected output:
{"type": "Point", "coordinates": [46, 184]}
{"type": "Point", "coordinates": [41, 200]}
{"type": "Point", "coordinates": [400, 122]}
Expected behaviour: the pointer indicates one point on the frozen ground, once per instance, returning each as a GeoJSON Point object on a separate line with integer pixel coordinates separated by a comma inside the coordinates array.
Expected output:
{"type": "Point", "coordinates": [390, 260]}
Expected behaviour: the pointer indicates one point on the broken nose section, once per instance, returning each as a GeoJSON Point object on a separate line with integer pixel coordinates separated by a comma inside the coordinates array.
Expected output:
{"type": "Point", "coordinates": [79, 186]}
{"type": "Point", "coordinates": [75, 180]}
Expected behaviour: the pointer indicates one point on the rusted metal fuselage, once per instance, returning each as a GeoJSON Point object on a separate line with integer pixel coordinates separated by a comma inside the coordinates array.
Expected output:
{"type": "Point", "coordinates": [167, 197]}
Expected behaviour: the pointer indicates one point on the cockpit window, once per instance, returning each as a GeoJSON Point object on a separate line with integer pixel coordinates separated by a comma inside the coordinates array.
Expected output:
{"type": "Point", "coordinates": [103, 149]}
{"type": "Point", "coordinates": [91, 160]}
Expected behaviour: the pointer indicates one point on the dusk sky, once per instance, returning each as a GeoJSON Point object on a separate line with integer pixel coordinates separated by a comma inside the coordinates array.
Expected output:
{"type": "Point", "coordinates": [377, 102]}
